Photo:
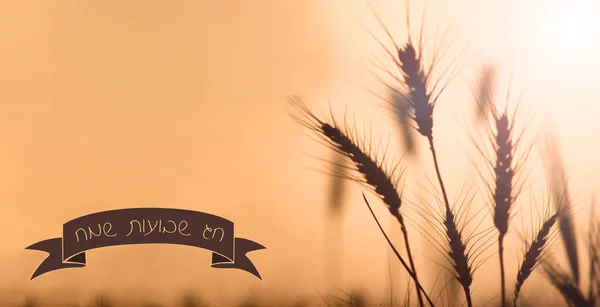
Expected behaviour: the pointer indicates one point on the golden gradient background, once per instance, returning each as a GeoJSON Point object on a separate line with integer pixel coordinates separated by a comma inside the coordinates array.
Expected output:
{"type": "Point", "coordinates": [181, 104]}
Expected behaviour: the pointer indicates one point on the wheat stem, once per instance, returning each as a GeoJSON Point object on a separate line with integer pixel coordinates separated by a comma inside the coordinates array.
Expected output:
{"type": "Point", "coordinates": [410, 272]}
{"type": "Point", "coordinates": [437, 171]}
{"type": "Point", "coordinates": [502, 277]}
{"type": "Point", "coordinates": [372, 171]}
{"type": "Point", "coordinates": [409, 252]}
{"type": "Point", "coordinates": [456, 246]}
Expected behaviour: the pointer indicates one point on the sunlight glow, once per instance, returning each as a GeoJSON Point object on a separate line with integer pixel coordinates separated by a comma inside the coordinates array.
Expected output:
{"type": "Point", "coordinates": [572, 29]}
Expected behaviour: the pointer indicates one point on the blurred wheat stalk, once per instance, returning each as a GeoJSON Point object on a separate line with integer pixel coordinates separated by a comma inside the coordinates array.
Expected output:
{"type": "Point", "coordinates": [334, 221]}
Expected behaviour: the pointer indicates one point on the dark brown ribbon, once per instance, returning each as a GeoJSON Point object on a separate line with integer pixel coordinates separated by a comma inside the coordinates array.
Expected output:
{"type": "Point", "coordinates": [147, 226]}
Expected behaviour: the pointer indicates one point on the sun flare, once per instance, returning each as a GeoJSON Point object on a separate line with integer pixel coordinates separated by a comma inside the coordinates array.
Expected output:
{"type": "Point", "coordinates": [571, 29]}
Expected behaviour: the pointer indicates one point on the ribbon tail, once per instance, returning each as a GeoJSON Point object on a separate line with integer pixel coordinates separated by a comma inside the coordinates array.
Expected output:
{"type": "Point", "coordinates": [54, 261]}
{"type": "Point", "coordinates": [241, 261]}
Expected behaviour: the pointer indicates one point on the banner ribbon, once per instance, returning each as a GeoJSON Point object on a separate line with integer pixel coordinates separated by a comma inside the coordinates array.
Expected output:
{"type": "Point", "coordinates": [147, 226]}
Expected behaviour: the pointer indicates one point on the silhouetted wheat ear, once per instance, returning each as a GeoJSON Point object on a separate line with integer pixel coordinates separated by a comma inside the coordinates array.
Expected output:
{"type": "Point", "coordinates": [416, 80]}
{"type": "Point", "coordinates": [533, 254]}
{"type": "Point", "coordinates": [566, 285]}
{"type": "Point", "coordinates": [504, 172]}
{"type": "Point", "coordinates": [458, 254]}
{"type": "Point", "coordinates": [374, 176]}
{"type": "Point", "coordinates": [504, 175]}
{"type": "Point", "coordinates": [567, 231]}
{"type": "Point", "coordinates": [483, 101]}
{"type": "Point", "coordinates": [562, 202]}
{"type": "Point", "coordinates": [373, 173]}
{"type": "Point", "coordinates": [344, 143]}
{"type": "Point", "coordinates": [402, 109]}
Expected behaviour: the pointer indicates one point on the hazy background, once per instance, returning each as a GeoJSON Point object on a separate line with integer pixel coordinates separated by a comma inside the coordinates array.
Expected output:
{"type": "Point", "coordinates": [116, 104]}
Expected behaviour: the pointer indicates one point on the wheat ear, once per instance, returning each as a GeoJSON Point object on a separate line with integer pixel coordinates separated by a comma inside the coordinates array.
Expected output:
{"type": "Point", "coordinates": [566, 285]}
{"type": "Point", "coordinates": [483, 98]}
{"type": "Point", "coordinates": [422, 100]}
{"type": "Point", "coordinates": [423, 105]}
{"type": "Point", "coordinates": [533, 254]}
{"type": "Point", "coordinates": [373, 174]}
{"type": "Point", "coordinates": [416, 81]}
{"type": "Point", "coordinates": [423, 110]}
{"type": "Point", "coordinates": [562, 202]}
{"type": "Point", "coordinates": [503, 193]}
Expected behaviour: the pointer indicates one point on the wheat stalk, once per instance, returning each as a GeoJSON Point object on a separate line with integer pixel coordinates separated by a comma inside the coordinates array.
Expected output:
{"type": "Point", "coordinates": [562, 202]}
{"type": "Point", "coordinates": [533, 254]}
{"type": "Point", "coordinates": [503, 197]}
{"type": "Point", "coordinates": [566, 285]}
{"type": "Point", "coordinates": [422, 97]}
{"type": "Point", "coordinates": [423, 105]}
{"type": "Point", "coordinates": [593, 245]}
{"type": "Point", "coordinates": [504, 188]}
{"type": "Point", "coordinates": [374, 176]}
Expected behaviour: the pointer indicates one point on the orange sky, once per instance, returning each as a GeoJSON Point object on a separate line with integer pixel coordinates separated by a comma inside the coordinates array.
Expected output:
{"type": "Point", "coordinates": [112, 104]}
